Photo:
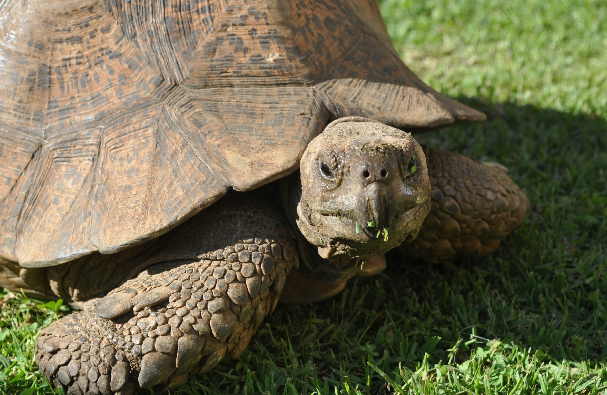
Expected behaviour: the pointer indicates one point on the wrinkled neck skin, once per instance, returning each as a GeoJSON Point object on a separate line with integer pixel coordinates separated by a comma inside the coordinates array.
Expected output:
{"type": "Point", "coordinates": [362, 189]}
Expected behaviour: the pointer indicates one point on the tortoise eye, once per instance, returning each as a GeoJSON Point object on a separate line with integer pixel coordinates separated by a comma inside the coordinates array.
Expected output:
{"type": "Point", "coordinates": [329, 169]}
{"type": "Point", "coordinates": [325, 170]}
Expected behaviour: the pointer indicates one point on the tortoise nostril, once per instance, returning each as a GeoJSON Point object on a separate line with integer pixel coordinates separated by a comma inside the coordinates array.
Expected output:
{"type": "Point", "coordinates": [384, 173]}
{"type": "Point", "coordinates": [366, 174]}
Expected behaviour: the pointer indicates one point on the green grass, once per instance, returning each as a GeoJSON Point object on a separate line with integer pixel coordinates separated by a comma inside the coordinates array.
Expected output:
{"type": "Point", "coordinates": [20, 322]}
{"type": "Point", "coordinates": [530, 319]}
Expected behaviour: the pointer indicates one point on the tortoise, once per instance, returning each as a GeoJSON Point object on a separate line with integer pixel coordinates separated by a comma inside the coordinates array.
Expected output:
{"type": "Point", "coordinates": [173, 169]}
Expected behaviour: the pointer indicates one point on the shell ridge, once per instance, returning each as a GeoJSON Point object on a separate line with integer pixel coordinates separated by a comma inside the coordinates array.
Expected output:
{"type": "Point", "coordinates": [17, 219]}
{"type": "Point", "coordinates": [61, 213]}
{"type": "Point", "coordinates": [167, 56]}
{"type": "Point", "coordinates": [179, 125]}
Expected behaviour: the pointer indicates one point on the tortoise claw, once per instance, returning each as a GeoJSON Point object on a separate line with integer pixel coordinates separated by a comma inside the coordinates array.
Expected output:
{"type": "Point", "coordinates": [156, 368]}
{"type": "Point", "coordinates": [119, 377]}
{"type": "Point", "coordinates": [153, 297]}
{"type": "Point", "coordinates": [114, 305]}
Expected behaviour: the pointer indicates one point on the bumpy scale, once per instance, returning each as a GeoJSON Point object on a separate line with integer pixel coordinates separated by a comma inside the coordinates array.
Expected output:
{"type": "Point", "coordinates": [474, 207]}
{"type": "Point", "coordinates": [175, 319]}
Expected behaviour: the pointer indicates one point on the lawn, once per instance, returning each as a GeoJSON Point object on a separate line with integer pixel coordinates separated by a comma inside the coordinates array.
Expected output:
{"type": "Point", "coordinates": [529, 319]}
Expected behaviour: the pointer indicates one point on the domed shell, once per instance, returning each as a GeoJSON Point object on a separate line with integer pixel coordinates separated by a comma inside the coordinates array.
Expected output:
{"type": "Point", "coordinates": [120, 119]}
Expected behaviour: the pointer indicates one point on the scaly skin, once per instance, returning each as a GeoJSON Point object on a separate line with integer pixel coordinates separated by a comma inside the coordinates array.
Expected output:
{"type": "Point", "coordinates": [176, 318]}
{"type": "Point", "coordinates": [474, 207]}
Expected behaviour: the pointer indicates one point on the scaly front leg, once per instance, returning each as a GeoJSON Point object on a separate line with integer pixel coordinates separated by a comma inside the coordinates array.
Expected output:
{"type": "Point", "coordinates": [474, 207]}
{"type": "Point", "coordinates": [180, 316]}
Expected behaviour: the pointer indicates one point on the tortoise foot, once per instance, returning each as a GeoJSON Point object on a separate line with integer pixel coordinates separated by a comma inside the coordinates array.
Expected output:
{"type": "Point", "coordinates": [75, 353]}
{"type": "Point", "coordinates": [173, 320]}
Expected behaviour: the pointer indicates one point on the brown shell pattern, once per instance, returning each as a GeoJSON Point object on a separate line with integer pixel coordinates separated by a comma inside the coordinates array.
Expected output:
{"type": "Point", "coordinates": [120, 119]}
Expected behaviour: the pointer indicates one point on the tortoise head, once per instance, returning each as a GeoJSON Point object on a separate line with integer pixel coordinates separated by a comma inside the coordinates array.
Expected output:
{"type": "Point", "coordinates": [365, 189]}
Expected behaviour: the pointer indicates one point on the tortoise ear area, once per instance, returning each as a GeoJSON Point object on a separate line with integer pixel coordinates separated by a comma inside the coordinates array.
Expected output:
{"type": "Point", "coordinates": [412, 163]}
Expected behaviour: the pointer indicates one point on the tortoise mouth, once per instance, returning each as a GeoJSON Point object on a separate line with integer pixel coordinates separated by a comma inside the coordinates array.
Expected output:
{"type": "Point", "coordinates": [348, 236]}
{"type": "Point", "coordinates": [369, 229]}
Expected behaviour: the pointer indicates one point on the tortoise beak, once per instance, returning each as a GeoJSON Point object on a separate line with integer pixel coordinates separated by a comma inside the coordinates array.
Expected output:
{"type": "Point", "coordinates": [374, 209]}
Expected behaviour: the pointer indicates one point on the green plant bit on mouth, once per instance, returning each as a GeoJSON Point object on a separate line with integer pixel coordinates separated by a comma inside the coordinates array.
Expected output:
{"type": "Point", "coordinates": [357, 227]}
{"type": "Point", "coordinates": [385, 233]}
{"type": "Point", "coordinates": [360, 149]}
{"type": "Point", "coordinates": [413, 169]}
{"type": "Point", "coordinates": [371, 224]}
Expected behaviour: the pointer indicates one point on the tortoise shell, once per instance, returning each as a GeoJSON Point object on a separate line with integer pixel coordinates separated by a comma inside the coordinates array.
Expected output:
{"type": "Point", "coordinates": [120, 119]}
